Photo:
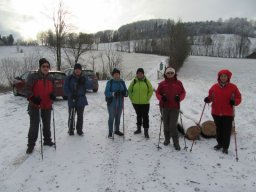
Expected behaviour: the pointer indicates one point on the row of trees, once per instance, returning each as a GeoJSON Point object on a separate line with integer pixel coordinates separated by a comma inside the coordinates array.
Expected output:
{"type": "Point", "coordinates": [6, 40]}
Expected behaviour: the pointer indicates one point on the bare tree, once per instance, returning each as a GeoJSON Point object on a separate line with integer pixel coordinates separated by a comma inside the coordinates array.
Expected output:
{"type": "Point", "coordinates": [61, 28]}
{"type": "Point", "coordinates": [77, 45]}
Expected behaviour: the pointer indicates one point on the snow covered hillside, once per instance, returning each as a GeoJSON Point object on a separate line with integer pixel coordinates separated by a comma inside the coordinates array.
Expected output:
{"type": "Point", "coordinates": [95, 163]}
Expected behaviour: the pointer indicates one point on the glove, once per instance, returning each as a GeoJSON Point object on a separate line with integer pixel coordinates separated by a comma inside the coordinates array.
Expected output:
{"type": "Point", "coordinates": [117, 93]}
{"type": "Point", "coordinates": [164, 98]}
{"type": "Point", "coordinates": [177, 98]}
{"type": "Point", "coordinates": [109, 100]}
{"type": "Point", "coordinates": [36, 100]}
{"type": "Point", "coordinates": [80, 80]}
{"type": "Point", "coordinates": [207, 100]}
{"type": "Point", "coordinates": [52, 96]}
{"type": "Point", "coordinates": [124, 93]}
{"type": "Point", "coordinates": [73, 96]}
{"type": "Point", "coordinates": [232, 102]}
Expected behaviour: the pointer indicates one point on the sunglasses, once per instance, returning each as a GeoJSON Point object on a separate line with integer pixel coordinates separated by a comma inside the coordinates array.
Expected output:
{"type": "Point", "coordinates": [170, 73]}
{"type": "Point", "coordinates": [45, 66]}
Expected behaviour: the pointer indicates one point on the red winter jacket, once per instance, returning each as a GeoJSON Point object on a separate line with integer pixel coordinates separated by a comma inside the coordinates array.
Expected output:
{"type": "Point", "coordinates": [42, 86]}
{"type": "Point", "coordinates": [170, 88]}
{"type": "Point", "coordinates": [220, 96]}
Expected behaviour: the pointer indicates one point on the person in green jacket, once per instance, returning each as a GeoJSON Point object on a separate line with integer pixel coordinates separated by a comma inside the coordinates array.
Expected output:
{"type": "Point", "coordinates": [140, 91]}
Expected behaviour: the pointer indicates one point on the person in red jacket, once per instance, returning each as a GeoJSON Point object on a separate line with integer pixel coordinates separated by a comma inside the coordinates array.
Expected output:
{"type": "Point", "coordinates": [170, 93]}
{"type": "Point", "coordinates": [40, 94]}
{"type": "Point", "coordinates": [224, 96]}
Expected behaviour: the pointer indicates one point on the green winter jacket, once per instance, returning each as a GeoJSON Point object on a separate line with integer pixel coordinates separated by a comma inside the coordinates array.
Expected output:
{"type": "Point", "coordinates": [139, 91]}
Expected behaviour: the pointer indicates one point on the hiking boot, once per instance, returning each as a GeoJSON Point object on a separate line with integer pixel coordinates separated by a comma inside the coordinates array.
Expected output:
{"type": "Point", "coordinates": [119, 133]}
{"type": "Point", "coordinates": [166, 142]}
{"type": "Point", "coordinates": [71, 132]}
{"type": "Point", "coordinates": [80, 133]}
{"type": "Point", "coordinates": [138, 131]}
{"type": "Point", "coordinates": [177, 147]}
{"type": "Point", "coordinates": [30, 149]}
{"type": "Point", "coordinates": [225, 151]}
{"type": "Point", "coordinates": [217, 147]}
{"type": "Point", "coordinates": [146, 133]}
{"type": "Point", "coordinates": [49, 143]}
{"type": "Point", "coordinates": [110, 136]}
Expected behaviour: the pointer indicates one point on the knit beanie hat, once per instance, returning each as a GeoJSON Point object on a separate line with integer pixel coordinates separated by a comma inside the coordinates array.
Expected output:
{"type": "Point", "coordinates": [140, 70]}
{"type": "Point", "coordinates": [42, 61]}
{"type": "Point", "coordinates": [115, 70]}
{"type": "Point", "coordinates": [169, 69]}
{"type": "Point", "coordinates": [78, 66]}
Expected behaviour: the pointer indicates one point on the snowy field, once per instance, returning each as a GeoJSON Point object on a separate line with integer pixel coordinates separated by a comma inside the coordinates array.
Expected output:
{"type": "Point", "coordinates": [94, 163]}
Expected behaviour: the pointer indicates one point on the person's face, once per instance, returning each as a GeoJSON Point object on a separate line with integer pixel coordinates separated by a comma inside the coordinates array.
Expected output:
{"type": "Point", "coordinates": [77, 72]}
{"type": "Point", "coordinates": [140, 75]}
{"type": "Point", "coordinates": [116, 76]}
{"type": "Point", "coordinates": [223, 78]}
{"type": "Point", "coordinates": [170, 74]}
{"type": "Point", "coordinates": [45, 68]}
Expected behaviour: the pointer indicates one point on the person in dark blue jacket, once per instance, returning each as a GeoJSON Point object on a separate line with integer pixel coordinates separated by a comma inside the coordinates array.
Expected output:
{"type": "Point", "coordinates": [75, 89]}
{"type": "Point", "coordinates": [115, 92]}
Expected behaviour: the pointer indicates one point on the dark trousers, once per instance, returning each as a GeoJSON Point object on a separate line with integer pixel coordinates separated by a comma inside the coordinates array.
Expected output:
{"type": "Point", "coordinates": [223, 130]}
{"type": "Point", "coordinates": [34, 124]}
{"type": "Point", "coordinates": [170, 119]}
{"type": "Point", "coordinates": [80, 118]}
{"type": "Point", "coordinates": [142, 111]}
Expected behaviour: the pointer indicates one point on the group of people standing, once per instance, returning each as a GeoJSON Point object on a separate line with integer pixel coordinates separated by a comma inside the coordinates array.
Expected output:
{"type": "Point", "coordinates": [224, 95]}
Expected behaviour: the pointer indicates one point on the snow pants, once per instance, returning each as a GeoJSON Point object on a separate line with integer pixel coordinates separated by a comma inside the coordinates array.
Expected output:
{"type": "Point", "coordinates": [34, 124]}
{"type": "Point", "coordinates": [142, 111]}
{"type": "Point", "coordinates": [170, 119]}
{"type": "Point", "coordinates": [223, 129]}
{"type": "Point", "coordinates": [80, 118]}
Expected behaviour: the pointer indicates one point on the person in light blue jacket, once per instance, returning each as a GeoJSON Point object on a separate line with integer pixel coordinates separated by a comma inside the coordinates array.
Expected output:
{"type": "Point", "coordinates": [115, 92]}
{"type": "Point", "coordinates": [75, 89]}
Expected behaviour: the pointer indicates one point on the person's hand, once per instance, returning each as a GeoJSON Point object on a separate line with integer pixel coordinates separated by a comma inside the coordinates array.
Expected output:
{"type": "Point", "coordinates": [52, 96]}
{"type": "Point", "coordinates": [207, 100]}
{"type": "Point", "coordinates": [73, 96]}
{"type": "Point", "coordinates": [117, 93]}
{"type": "Point", "coordinates": [232, 102]}
{"type": "Point", "coordinates": [177, 98]}
{"type": "Point", "coordinates": [164, 98]}
{"type": "Point", "coordinates": [80, 80]}
{"type": "Point", "coordinates": [124, 93]}
{"type": "Point", "coordinates": [36, 100]}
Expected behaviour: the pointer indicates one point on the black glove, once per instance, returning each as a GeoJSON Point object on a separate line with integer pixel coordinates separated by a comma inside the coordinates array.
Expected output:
{"type": "Point", "coordinates": [232, 102]}
{"type": "Point", "coordinates": [124, 93]}
{"type": "Point", "coordinates": [164, 98]}
{"type": "Point", "coordinates": [177, 98]}
{"type": "Point", "coordinates": [73, 96]}
{"type": "Point", "coordinates": [207, 100]}
{"type": "Point", "coordinates": [109, 100]}
{"type": "Point", "coordinates": [117, 93]}
{"type": "Point", "coordinates": [36, 100]}
{"type": "Point", "coordinates": [80, 80]}
{"type": "Point", "coordinates": [52, 96]}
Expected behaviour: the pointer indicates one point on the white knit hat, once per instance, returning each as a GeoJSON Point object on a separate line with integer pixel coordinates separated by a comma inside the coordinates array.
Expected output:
{"type": "Point", "coordinates": [169, 69]}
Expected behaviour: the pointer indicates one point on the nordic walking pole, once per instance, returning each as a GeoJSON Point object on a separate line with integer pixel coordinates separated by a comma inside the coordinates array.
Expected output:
{"type": "Point", "coordinates": [53, 122]}
{"type": "Point", "coordinates": [123, 120]}
{"type": "Point", "coordinates": [161, 122]}
{"type": "Point", "coordinates": [183, 129]}
{"type": "Point", "coordinates": [41, 135]}
{"type": "Point", "coordinates": [198, 125]}
{"type": "Point", "coordinates": [235, 134]}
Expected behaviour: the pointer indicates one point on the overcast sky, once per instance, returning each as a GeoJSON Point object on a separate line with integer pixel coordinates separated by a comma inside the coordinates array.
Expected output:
{"type": "Point", "coordinates": [28, 17]}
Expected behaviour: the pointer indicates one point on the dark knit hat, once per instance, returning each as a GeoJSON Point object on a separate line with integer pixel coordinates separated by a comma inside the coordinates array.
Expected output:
{"type": "Point", "coordinates": [115, 70]}
{"type": "Point", "coordinates": [78, 66]}
{"type": "Point", "coordinates": [42, 61]}
{"type": "Point", "coordinates": [140, 70]}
